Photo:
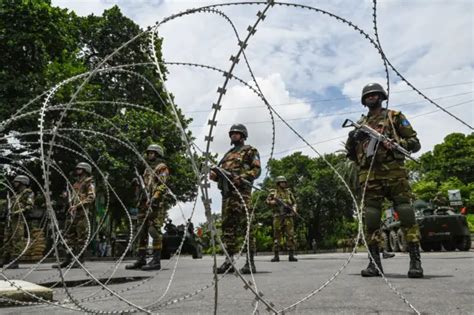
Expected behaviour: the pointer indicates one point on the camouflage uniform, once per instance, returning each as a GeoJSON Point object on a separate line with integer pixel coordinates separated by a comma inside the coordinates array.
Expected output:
{"type": "Point", "coordinates": [14, 239]}
{"type": "Point", "coordinates": [282, 219]}
{"type": "Point", "coordinates": [152, 208]}
{"type": "Point", "coordinates": [243, 161]}
{"type": "Point", "coordinates": [388, 177]}
{"type": "Point", "coordinates": [83, 198]}
{"type": "Point", "coordinates": [156, 217]}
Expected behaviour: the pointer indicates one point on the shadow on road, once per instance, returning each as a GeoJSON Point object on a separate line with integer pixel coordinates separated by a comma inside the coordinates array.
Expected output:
{"type": "Point", "coordinates": [404, 276]}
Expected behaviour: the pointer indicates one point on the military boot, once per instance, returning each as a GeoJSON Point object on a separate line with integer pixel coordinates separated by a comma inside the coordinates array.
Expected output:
{"type": "Point", "coordinates": [415, 270]}
{"type": "Point", "coordinates": [227, 264]}
{"type": "Point", "coordinates": [276, 258]}
{"type": "Point", "coordinates": [386, 255]}
{"type": "Point", "coordinates": [140, 262]}
{"type": "Point", "coordinates": [249, 265]}
{"type": "Point", "coordinates": [154, 263]}
{"type": "Point", "coordinates": [371, 270]}
{"type": "Point", "coordinates": [291, 256]}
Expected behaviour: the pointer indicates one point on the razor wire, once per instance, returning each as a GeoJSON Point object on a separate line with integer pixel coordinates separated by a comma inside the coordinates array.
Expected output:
{"type": "Point", "coordinates": [47, 161]}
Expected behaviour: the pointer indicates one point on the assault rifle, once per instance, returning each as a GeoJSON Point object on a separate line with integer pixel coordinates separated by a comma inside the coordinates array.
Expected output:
{"type": "Point", "coordinates": [375, 138]}
{"type": "Point", "coordinates": [287, 209]}
{"type": "Point", "coordinates": [143, 189]}
{"type": "Point", "coordinates": [230, 176]}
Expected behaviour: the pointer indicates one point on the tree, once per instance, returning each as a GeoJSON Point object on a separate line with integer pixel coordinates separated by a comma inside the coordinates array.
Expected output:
{"type": "Point", "coordinates": [43, 45]}
{"type": "Point", "coordinates": [35, 39]}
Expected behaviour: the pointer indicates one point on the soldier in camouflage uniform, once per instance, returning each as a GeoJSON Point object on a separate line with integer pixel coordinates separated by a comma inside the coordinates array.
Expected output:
{"type": "Point", "coordinates": [14, 233]}
{"type": "Point", "coordinates": [82, 203]}
{"type": "Point", "coordinates": [282, 217]}
{"type": "Point", "coordinates": [243, 162]}
{"type": "Point", "coordinates": [439, 200]}
{"type": "Point", "coordinates": [388, 177]}
{"type": "Point", "coordinates": [152, 210]}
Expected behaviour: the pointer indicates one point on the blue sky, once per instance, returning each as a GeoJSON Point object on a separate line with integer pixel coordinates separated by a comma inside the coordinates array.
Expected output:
{"type": "Point", "coordinates": [305, 58]}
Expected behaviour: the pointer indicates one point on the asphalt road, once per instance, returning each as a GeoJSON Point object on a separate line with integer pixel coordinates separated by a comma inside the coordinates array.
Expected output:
{"type": "Point", "coordinates": [447, 288]}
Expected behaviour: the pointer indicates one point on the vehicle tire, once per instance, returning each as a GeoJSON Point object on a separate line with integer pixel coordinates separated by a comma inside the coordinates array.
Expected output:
{"type": "Point", "coordinates": [436, 246]}
{"type": "Point", "coordinates": [402, 242]}
{"type": "Point", "coordinates": [464, 243]}
{"type": "Point", "coordinates": [198, 252]}
{"type": "Point", "coordinates": [394, 241]}
{"type": "Point", "coordinates": [426, 247]}
{"type": "Point", "coordinates": [449, 245]}
{"type": "Point", "coordinates": [386, 242]}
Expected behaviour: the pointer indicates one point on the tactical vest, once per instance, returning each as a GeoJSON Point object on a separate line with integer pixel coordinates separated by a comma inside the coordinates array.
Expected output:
{"type": "Point", "coordinates": [385, 160]}
{"type": "Point", "coordinates": [23, 201]}
{"type": "Point", "coordinates": [235, 161]}
{"type": "Point", "coordinates": [81, 190]}
{"type": "Point", "coordinates": [285, 195]}
{"type": "Point", "coordinates": [152, 183]}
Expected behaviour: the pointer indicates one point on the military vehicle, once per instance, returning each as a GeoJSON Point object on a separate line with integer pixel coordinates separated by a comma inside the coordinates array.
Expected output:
{"type": "Point", "coordinates": [172, 239]}
{"type": "Point", "coordinates": [439, 227]}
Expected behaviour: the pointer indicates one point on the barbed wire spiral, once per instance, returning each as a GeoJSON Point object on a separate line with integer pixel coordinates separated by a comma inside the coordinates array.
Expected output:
{"type": "Point", "coordinates": [52, 137]}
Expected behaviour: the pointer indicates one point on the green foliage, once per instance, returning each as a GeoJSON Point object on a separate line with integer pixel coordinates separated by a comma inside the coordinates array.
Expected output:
{"type": "Point", "coordinates": [470, 222]}
{"type": "Point", "coordinates": [264, 239]}
{"type": "Point", "coordinates": [425, 190]}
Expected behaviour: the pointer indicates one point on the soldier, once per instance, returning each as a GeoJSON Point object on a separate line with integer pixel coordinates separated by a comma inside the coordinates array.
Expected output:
{"type": "Point", "coordinates": [152, 209]}
{"type": "Point", "coordinates": [81, 203]}
{"type": "Point", "coordinates": [280, 198]}
{"type": "Point", "coordinates": [388, 177]}
{"type": "Point", "coordinates": [439, 200]}
{"type": "Point", "coordinates": [14, 232]}
{"type": "Point", "coordinates": [242, 162]}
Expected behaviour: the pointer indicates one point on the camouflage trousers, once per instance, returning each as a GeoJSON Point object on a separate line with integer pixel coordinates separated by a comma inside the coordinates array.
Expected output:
{"type": "Point", "coordinates": [234, 222]}
{"type": "Point", "coordinates": [37, 244]}
{"type": "Point", "coordinates": [14, 237]}
{"type": "Point", "coordinates": [396, 190]}
{"type": "Point", "coordinates": [76, 231]}
{"type": "Point", "coordinates": [283, 226]}
{"type": "Point", "coordinates": [151, 226]}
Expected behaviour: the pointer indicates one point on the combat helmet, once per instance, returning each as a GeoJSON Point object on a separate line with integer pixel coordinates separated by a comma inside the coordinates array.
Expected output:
{"type": "Point", "coordinates": [25, 180]}
{"type": "Point", "coordinates": [85, 166]}
{"type": "Point", "coordinates": [280, 179]}
{"type": "Point", "coordinates": [240, 129]}
{"type": "Point", "coordinates": [373, 88]}
{"type": "Point", "coordinates": [158, 149]}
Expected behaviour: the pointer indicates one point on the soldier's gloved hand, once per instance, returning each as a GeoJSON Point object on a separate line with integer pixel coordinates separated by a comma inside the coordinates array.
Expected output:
{"type": "Point", "coordinates": [213, 175]}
